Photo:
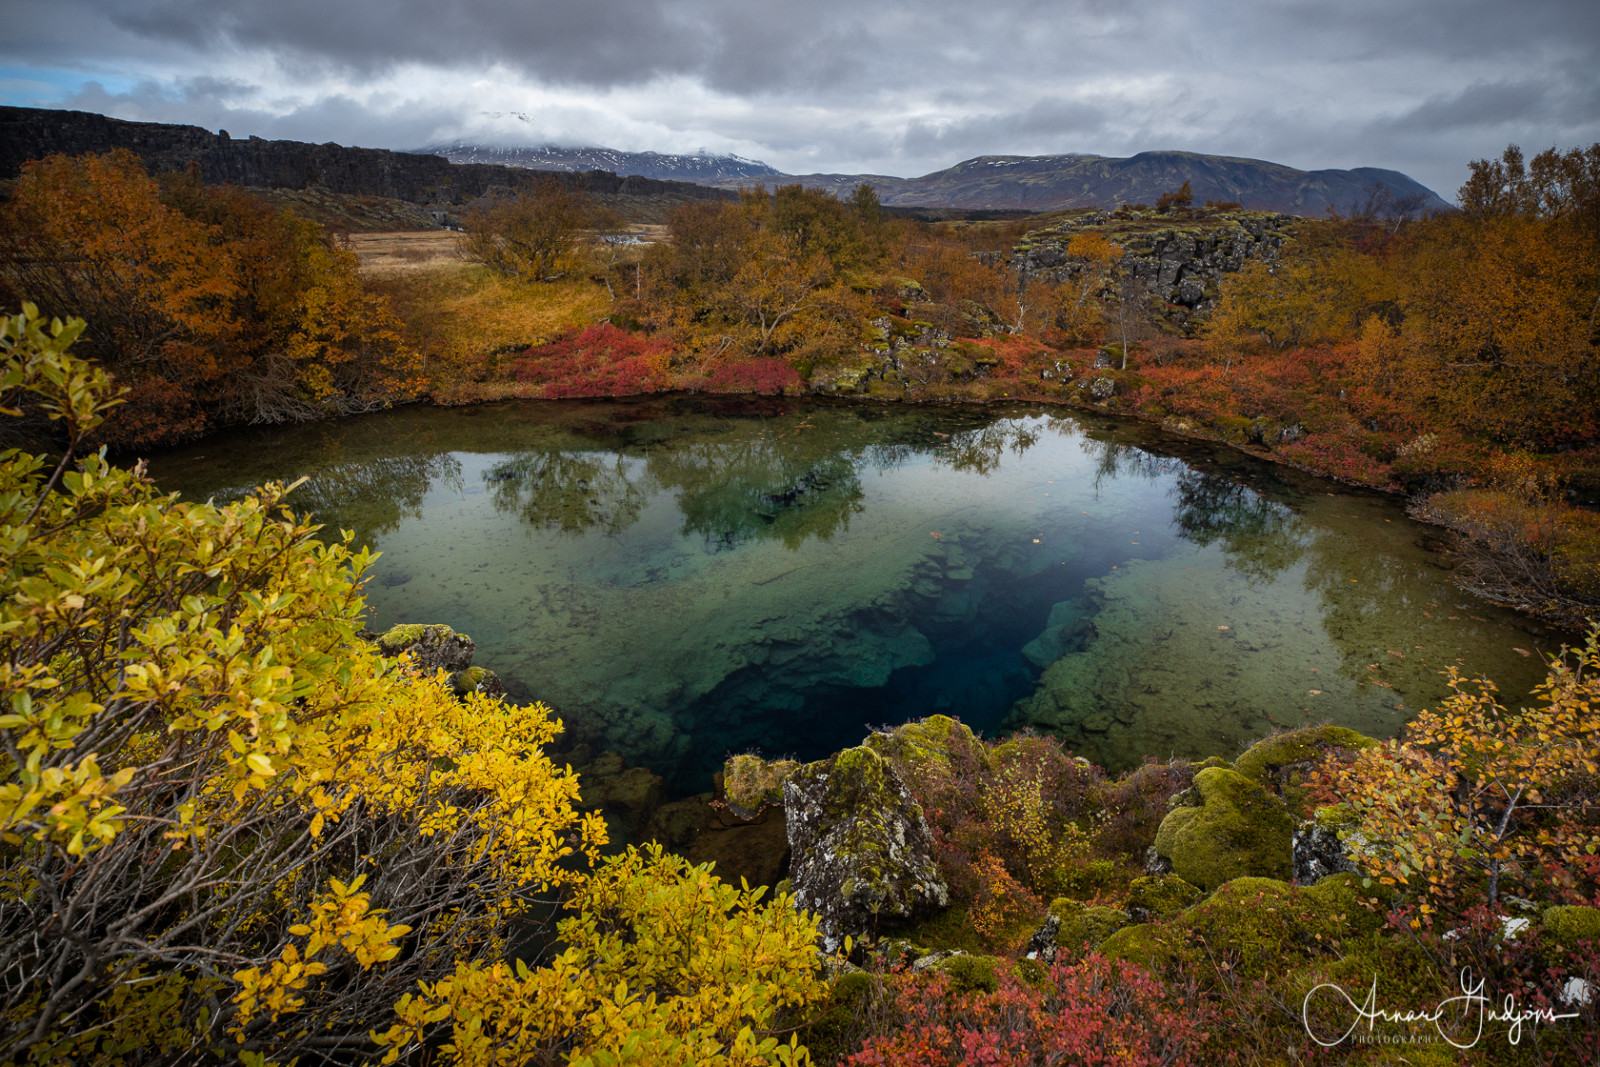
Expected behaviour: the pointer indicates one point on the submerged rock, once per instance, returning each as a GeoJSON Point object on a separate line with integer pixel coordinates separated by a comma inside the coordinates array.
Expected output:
{"type": "Point", "coordinates": [1227, 828]}
{"type": "Point", "coordinates": [861, 850]}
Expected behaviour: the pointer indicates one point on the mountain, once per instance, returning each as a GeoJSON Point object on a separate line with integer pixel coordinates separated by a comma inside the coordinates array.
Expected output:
{"type": "Point", "coordinates": [699, 167]}
{"type": "Point", "coordinates": [1050, 183]}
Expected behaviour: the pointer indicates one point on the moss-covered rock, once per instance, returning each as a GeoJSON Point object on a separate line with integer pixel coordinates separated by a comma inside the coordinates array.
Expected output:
{"type": "Point", "coordinates": [1160, 897]}
{"type": "Point", "coordinates": [973, 974]}
{"type": "Point", "coordinates": [929, 740]}
{"type": "Point", "coordinates": [1261, 924]}
{"type": "Point", "coordinates": [1281, 761]}
{"type": "Point", "coordinates": [1567, 925]}
{"type": "Point", "coordinates": [862, 853]}
{"type": "Point", "coordinates": [435, 647]}
{"type": "Point", "coordinates": [750, 783]}
{"type": "Point", "coordinates": [1074, 928]}
{"type": "Point", "coordinates": [479, 680]}
{"type": "Point", "coordinates": [1234, 828]}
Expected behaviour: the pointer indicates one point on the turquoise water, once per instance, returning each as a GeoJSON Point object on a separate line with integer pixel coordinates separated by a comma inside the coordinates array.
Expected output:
{"type": "Point", "coordinates": [682, 578]}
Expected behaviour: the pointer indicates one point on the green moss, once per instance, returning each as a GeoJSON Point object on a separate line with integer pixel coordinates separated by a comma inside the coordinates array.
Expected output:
{"type": "Point", "coordinates": [750, 782]}
{"type": "Point", "coordinates": [1239, 829]}
{"type": "Point", "coordinates": [973, 974]}
{"type": "Point", "coordinates": [927, 741]}
{"type": "Point", "coordinates": [1161, 896]}
{"type": "Point", "coordinates": [403, 636]}
{"type": "Point", "coordinates": [1151, 945]}
{"type": "Point", "coordinates": [1567, 925]}
{"type": "Point", "coordinates": [1279, 762]}
{"type": "Point", "coordinates": [467, 681]}
{"type": "Point", "coordinates": [949, 929]}
{"type": "Point", "coordinates": [1084, 928]}
{"type": "Point", "coordinates": [835, 1031]}
{"type": "Point", "coordinates": [1032, 973]}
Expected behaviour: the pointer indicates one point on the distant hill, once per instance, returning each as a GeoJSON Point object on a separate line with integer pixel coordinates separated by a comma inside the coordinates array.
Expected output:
{"type": "Point", "coordinates": [330, 169]}
{"type": "Point", "coordinates": [1051, 183]}
{"type": "Point", "coordinates": [698, 167]}
{"type": "Point", "coordinates": [1025, 183]}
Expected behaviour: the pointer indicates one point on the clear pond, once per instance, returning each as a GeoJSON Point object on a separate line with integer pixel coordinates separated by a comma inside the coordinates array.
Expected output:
{"type": "Point", "coordinates": [684, 577]}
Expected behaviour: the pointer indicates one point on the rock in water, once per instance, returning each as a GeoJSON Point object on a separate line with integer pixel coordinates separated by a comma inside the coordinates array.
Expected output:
{"type": "Point", "coordinates": [436, 647]}
{"type": "Point", "coordinates": [861, 850]}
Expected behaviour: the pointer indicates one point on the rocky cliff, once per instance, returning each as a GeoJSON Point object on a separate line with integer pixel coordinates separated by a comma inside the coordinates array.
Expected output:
{"type": "Point", "coordinates": [1177, 261]}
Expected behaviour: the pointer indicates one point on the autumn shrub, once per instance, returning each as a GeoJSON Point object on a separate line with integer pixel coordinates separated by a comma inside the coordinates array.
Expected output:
{"type": "Point", "coordinates": [1532, 552]}
{"type": "Point", "coordinates": [597, 361]}
{"type": "Point", "coordinates": [230, 828]}
{"type": "Point", "coordinates": [1475, 797]}
{"type": "Point", "coordinates": [663, 963]}
{"type": "Point", "coordinates": [1135, 804]}
{"type": "Point", "coordinates": [214, 308]}
{"type": "Point", "coordinates": [761, 375]}
{"type": "Point", "coordinates": [1097, 1013]}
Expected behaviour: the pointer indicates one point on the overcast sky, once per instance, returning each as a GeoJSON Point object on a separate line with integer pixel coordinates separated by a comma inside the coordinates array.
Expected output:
{"type": "Point", "coordinates": [887, 87]}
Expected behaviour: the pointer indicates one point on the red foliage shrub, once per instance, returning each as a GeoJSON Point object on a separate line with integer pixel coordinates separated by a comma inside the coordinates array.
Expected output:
{"type": "Point", "coordinates": [765, 375]}
{"type": "Point", "coordinates": [1097, 1013]}
{"type": "Point", "coordinates": [1339, 456]}
{"type": "Point", "coordinates": [597, 361]}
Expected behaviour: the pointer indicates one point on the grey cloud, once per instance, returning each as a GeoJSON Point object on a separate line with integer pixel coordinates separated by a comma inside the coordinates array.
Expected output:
{"type": "Point", "coordinates": [894, 87]}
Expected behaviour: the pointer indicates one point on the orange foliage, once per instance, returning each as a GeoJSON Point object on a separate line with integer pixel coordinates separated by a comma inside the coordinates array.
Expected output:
{"type": "Point", "coordinates": [210, 306]}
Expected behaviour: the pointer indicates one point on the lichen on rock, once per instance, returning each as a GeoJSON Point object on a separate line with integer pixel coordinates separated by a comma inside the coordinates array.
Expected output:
{"type": "Point", "coordinates": [1230, 827]}
{"type": "Point", "coordinates": [862, 855]}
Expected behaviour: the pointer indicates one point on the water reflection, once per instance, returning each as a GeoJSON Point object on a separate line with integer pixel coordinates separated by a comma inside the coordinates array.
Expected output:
{"type": "Point", "coordinates": [681, 577]}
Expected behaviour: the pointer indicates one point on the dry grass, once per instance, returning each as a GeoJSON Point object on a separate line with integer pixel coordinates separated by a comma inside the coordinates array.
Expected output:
{"type": "Point", "coordinates": [467, 321]}
{"type": "Point", "coordinates": [384, 253]}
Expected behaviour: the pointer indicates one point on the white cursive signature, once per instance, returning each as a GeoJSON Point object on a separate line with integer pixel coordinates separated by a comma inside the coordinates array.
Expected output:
{"type": "Point", "coordinates": [1471, 1002]}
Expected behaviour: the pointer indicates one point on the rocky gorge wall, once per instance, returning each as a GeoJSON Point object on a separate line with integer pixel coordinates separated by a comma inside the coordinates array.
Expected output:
{"type": "Point", "coordinates": [1178, 266]}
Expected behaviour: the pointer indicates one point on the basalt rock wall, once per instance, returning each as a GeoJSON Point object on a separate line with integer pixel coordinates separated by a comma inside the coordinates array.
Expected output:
{"type": "Point", "coordinates": [1178, 267]}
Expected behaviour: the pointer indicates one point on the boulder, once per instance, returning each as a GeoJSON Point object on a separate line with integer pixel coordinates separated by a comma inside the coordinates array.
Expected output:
{"type": "Point", "coordinates": [1159, 896]}
{"type": "Point", "coordinates": [750, 783]}
{"type": "Point", "coordinates": [1280, 762]}
{"type": "Point", "coordinates": [1073, 927]}
{"type": "Point", "coordinates": [477, 680]}
{"type": "Point", "coordinates": [436, 647]}
{"type": "Point", "coordinates": [862, 855]}
{"type": "Point", "coordinates": [1228, 827]}
{"type": "Point", "coordinates": [1316, 850]}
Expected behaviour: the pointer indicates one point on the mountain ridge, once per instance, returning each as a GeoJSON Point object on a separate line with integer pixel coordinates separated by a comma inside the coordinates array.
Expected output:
{"type": "Point", "coordinates": [1012, 182]}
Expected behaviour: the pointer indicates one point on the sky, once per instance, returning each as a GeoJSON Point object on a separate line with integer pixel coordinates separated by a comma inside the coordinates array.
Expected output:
{"type": "Point", "coordinates": [845, 86]}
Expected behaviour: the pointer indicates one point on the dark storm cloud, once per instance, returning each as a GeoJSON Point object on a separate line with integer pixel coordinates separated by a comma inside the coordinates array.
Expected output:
{"type": "Point", "coordinates": [890, 86]}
